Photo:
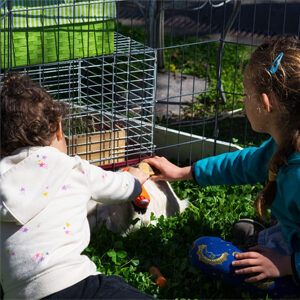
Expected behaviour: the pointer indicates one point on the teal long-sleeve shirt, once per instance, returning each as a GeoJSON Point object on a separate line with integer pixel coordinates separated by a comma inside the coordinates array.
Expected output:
{"type": "Point", "coordinates": [250, 166]}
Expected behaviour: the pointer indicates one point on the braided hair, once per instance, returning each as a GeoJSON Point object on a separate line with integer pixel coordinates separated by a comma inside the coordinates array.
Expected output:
{"type": "Point", "coordinates": [284, 84]}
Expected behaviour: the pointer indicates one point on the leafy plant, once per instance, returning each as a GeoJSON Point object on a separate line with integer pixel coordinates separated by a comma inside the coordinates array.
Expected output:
{"type": "Point", "coordinates": [194, 57]}
{"type": "Point", "coordinates": [212, 211]}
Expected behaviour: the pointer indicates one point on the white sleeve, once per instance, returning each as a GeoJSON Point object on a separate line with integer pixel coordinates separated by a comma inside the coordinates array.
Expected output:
{"type": "Point", "coordinates": [112, 187]}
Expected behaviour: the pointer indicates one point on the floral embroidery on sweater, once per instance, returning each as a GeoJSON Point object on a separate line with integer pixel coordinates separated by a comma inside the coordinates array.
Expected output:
{"type": "Point", "coordinates": [46, 193]}
{"type": "Point", "coordinates": [42, 162]}
{"type": "Point", "coordinates": [39, 257]}
{"type": "Point", "coordinates": [12, 253]}
{"type": "Point", "coordinates": [66, 187]}
{"type": "Point", "coordinates": [66, 228]}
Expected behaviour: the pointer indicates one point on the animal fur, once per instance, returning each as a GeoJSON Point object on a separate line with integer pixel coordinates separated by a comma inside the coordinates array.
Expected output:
{"type": "Point", "coordinates": [118, 217]}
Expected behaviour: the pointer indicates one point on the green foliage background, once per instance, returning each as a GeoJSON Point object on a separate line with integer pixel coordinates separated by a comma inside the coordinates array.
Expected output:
{"type": "Point", "coordinates": [212, 211]}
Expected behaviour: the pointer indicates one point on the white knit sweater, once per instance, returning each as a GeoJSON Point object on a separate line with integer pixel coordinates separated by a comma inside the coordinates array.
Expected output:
{"type": "Point", "coordinates": [44, 227]}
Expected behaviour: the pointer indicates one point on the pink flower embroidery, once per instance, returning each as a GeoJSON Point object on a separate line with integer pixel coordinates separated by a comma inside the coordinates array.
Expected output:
{"type": "Point", "coordinates": [43, 165]}
{"type": "Point", "coordinates": [83, 172]}
{"type": "Point", "coordinates": [36, 256]}
{"type": "Point", "coordinates": [41, 162]}
{"type": "Point", "coordinates": [12, 253]}
{"type": "Point", "coordinates": [66, 229]}
{"type": "Point", "coordinates": [39, 257]}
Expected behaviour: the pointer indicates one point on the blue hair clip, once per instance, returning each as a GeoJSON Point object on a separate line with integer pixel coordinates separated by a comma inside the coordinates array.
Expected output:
{"type": "Point", "coordinates": [276, 61]}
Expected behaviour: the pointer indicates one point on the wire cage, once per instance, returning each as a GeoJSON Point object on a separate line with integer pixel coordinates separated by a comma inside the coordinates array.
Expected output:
{"type": "Point", "coordinates": [144, 76]}
{"type": "Point", "coordinates": [203, 47]}
{"type": "Point", "coordinates": [110, 96]}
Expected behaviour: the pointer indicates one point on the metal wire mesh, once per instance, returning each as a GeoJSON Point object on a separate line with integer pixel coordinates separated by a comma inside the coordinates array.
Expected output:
{"type": "Point", "coordinates": [110, 96]}
{"type": "Point", "coordinates": [111, 101]}
{"type": "Point", "coordinates": [121, 109]}
{"type": "Point", "coordinates": [203, 48]}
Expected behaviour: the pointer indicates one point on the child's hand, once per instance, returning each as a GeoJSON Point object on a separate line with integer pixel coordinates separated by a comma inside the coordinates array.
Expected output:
{"type": "Point", "coordinates": [262, 263]}
{"type": "Point", "coordinates": [168, 171]}
{"type": "Point", "coordinates": [141, 176]}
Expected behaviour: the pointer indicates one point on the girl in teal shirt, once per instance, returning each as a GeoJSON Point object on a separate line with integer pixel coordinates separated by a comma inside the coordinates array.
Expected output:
{"type": "Point", "coordinates": [272, 103]}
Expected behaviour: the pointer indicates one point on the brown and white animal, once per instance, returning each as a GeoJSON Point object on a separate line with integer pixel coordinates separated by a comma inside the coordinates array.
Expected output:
{"type": "Point", "coordinates": [118, 217]}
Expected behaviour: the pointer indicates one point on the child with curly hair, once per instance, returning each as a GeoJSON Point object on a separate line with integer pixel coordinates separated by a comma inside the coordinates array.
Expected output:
{"type": "Point", "coordinates": [44, 196]}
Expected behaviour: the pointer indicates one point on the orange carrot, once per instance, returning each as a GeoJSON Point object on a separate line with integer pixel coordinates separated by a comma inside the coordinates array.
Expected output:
{"type": "Point", "coordinates": [160, 280]}
{"type": "Point", "coordinates": [143, 200]}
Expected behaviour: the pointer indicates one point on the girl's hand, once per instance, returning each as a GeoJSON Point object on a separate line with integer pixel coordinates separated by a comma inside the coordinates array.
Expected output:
{"type": "Point", "coordinates": [141, 176]}
{"type": "Point", "coordinates": [262, 263]}
{"type": "Point", "coordinates": [167, 170]}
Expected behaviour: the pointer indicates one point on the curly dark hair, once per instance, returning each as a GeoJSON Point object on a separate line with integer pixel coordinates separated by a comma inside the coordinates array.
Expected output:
{"type": "Point", "coordinates": [29, 115]}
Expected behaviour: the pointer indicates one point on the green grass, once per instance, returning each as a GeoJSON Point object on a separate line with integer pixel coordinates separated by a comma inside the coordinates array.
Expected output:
{"type": "Point", "coordinates": [213, 211]}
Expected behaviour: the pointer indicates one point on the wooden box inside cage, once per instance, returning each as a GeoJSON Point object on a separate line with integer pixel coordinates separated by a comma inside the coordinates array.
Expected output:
{"type": "Point", "coordinates": [98, 141]}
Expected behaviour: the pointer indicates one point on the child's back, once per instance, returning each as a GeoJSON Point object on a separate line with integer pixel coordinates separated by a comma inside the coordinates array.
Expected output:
{"type": "Point", "coordinates": [44, 195]}
{"type": "Point", "coordinates": [44, 226]}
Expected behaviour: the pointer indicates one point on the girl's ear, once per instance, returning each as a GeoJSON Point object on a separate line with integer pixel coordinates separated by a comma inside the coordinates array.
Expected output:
{"type": "Point", "coordinates": [266, 101]}
{"type": "Point", "coordinates": [59, 132]}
